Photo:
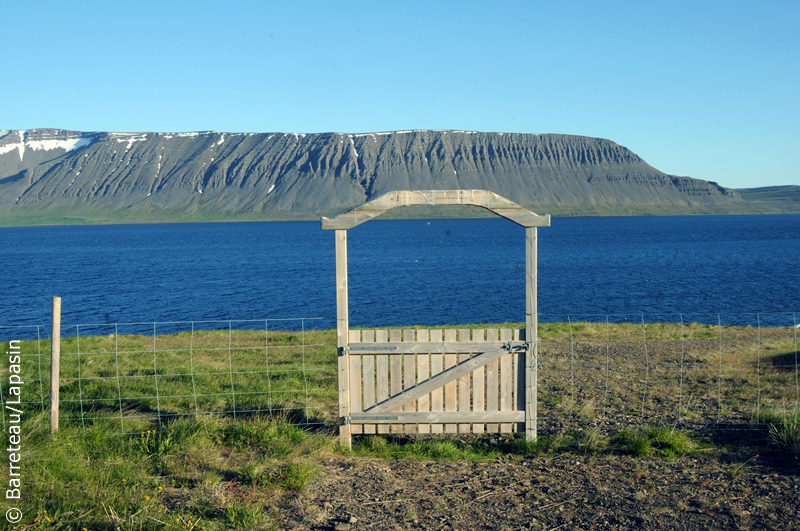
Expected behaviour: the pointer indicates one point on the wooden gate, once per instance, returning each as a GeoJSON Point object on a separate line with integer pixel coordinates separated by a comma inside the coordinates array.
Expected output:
{"type": "Point", "coordinates": [398, 382]}
{"type": "Point", "coordinates": [437, 381]}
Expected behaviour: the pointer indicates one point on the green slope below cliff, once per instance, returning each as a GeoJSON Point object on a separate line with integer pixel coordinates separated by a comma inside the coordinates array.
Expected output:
{"type": "Point", "coordinates": [779, 199]}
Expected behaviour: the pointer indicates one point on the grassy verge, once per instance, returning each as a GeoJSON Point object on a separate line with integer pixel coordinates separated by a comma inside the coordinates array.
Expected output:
{"type": "Point", "coordinates": [210, 473]}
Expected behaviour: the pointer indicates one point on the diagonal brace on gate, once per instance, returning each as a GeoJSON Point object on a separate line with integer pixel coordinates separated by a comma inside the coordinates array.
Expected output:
{"type": "Point", "coordinates": [445, 377]}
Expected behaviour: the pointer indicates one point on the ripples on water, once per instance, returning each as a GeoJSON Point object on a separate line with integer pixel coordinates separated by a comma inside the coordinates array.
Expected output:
{"type": "Point", "coordinates": [402, 272]}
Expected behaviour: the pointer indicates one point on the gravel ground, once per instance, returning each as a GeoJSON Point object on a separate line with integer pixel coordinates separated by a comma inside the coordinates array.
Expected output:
{"type": "Point", "coordinates": [742, 491]}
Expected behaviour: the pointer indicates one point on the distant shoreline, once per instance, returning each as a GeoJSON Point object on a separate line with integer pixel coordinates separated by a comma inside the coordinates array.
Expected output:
{"type": "Point", "coordinates": [29, 219]}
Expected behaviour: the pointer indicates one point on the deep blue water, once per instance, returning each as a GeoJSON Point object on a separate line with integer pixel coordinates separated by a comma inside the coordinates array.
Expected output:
{"type": "Point", "coordinates": [401, 272]}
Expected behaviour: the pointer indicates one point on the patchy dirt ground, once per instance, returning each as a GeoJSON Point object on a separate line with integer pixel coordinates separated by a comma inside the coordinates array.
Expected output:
{"type": "Point", "coordinates": [562, 492]}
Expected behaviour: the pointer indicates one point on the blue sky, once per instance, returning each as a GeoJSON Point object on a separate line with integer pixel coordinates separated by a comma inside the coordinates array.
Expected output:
{"type": "Point", "coordinates": [703, 89]}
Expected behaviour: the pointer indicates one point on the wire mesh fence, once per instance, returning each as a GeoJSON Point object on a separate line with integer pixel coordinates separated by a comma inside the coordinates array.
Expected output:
{"type": "Point", "coordinates": [139, 375]}
{"type": "Point", "coordinates": [733, 371]}
{"type": "Point", "coordinates": [718, 370]}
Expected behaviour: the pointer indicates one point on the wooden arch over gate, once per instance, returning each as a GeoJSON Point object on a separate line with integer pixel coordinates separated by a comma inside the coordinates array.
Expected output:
{"type": "Point", "coordinates": [415, 388]}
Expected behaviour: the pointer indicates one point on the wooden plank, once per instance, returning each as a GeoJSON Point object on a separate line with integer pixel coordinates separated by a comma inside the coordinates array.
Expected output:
{"type": "Point", "coordinates": [354, 336]}
{"type": "Point", "coordinates": [382, 367]}
{"type": "Point", "coordinates": [531, 327]}
{"type": "Point", "coordinates": [55, 363]}
{"type": "Point", "coordinates": [437, 395]}
{"type": "Point", "coordinates": [450, 361]}
{"type": "Point", "coordinates": [478, 386]}
{"type": "Point", "coordinates": [492, 386]}
{"type": "Point", "coordinates": [467, 417]}
{"type": "Point", "coordinates": [395, 374]}
{"type": "Point", "coordinates": [423, 373]}
{"type": "Point", "coordinates": [450, 375]}
{"type": "Point", "coordinates": [506, 380]}
{"type": "Point", "coordinates": [519, 379]}
{"type": "Point", "coordinates": [369, 378]}
{"type": "Point", "coordinates": [342, 325]}
{"type": "Point", "coordinates": [463, 381]}
{"type": "Point", "coordinates": [409, 378]}
{"type": "Point", "coordinates": [431, 347]}
{"type": "Point", "coordinates": [482, 198]}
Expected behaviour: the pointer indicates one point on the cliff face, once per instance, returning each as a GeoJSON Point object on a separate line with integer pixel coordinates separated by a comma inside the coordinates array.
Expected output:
{"type": "Point", "coordinates": [212, 175]}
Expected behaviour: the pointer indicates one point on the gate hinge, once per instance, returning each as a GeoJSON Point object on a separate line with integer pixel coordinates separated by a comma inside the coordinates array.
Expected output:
{"type": "Point", "coordinates": [511, 347]}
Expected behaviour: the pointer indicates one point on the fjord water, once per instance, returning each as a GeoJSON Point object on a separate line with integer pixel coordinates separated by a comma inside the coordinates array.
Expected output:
{"type": "Point", "coordinates": [402, 272]}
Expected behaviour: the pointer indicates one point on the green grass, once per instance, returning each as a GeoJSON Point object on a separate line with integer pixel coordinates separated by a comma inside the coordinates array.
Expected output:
{"type": "Point", "coordinates": [102, 480]}
{"type": "Point", "coordinates": [449, 448]}
{"type": "Point", "coordinates": [98, 215]}
{"type": "Point", "coordinates": [551, 445]}
{"type": "Point", "coordinates": [784, 431]}
{"type": "Point", "coordinates": [662, 442]}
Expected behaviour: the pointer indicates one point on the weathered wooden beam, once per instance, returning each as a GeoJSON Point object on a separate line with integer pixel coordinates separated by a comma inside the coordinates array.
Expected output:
{"type": "Point", "coordinates": [437, 381]}
{"type": "Point", "coordinates": [482, 198]}
{"type": "Point", "coordinates": [506, 380]}
{"type": "Point", "coordinates": [382, 367]}
{"type": "Point", "coordinates": [55, 363]}
{"type": "Point", "coordinates": [441, 347]}
{"type": "Point", "coordinates": [531, 334]}
{"type": "Point", "coordinates": [342, 340]}
{"type": "Point", "coordinates": [455, 417]}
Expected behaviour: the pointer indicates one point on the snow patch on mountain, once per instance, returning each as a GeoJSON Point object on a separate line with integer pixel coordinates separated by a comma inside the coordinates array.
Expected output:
{"type": "Point", "coordinates": [46, 144]}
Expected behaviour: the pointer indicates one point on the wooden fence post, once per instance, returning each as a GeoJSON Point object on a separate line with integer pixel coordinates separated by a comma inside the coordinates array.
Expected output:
{"type": "Point", "coordinates": [342, 339]}
{"type": "Point", "coordinates": [531, 334]}
{"type": "Point", "coordinates": [55, 361]}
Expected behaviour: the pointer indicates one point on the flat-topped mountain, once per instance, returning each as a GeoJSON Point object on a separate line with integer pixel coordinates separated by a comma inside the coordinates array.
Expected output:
{"type": "Point", "coordinates": [52, 175]}
{"type": "Point", "coordinates": [773, 198]}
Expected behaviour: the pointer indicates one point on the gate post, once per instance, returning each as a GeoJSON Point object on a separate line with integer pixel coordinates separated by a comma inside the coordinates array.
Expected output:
{"type": "Point", "coordinates": [342, 326]}
{"type": "Point", "coordinates": [531, 334]}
